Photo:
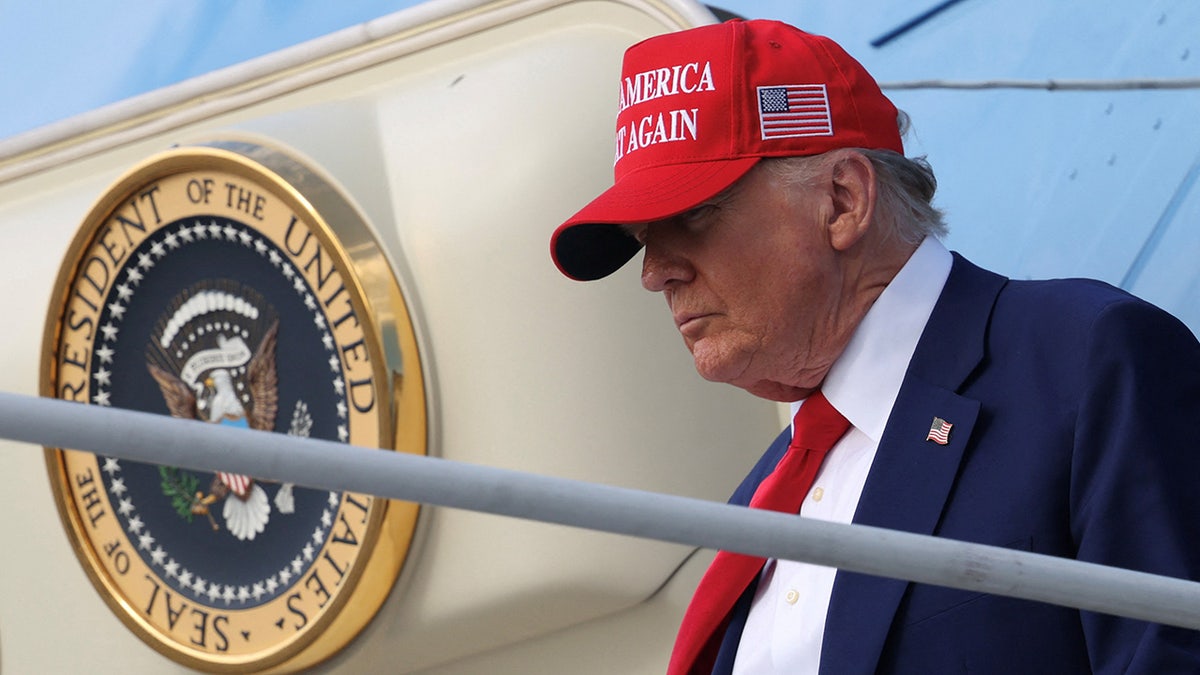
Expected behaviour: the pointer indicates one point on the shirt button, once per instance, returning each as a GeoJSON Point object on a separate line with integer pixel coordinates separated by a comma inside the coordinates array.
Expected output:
{"type": "Point", "coordinates": [792, 596]}
{"type": "Point", "coordinates": [818, 494]}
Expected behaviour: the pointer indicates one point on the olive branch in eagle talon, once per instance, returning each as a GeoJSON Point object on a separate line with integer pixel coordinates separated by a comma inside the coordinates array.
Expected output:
{"type": "Point", "coordinates": [245, 514]}
{"type": "Point", "coordinates": [186, 498]}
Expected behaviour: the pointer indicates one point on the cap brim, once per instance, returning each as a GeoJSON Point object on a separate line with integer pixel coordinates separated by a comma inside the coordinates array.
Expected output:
{"type": "Point", "coordinates": [592, 245]}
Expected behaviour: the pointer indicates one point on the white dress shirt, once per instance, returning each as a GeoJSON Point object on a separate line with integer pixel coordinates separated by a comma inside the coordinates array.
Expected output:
{"type": "Point", "coordinates": [787, 618]}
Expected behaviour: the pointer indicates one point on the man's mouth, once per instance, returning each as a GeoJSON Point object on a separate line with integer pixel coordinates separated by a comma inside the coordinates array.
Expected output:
{"type": "Point", "coordinates": [690, 320]}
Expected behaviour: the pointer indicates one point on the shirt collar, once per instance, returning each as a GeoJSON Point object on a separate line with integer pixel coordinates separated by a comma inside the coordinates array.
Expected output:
{"type": "Point", "coordinates": [864, 381]}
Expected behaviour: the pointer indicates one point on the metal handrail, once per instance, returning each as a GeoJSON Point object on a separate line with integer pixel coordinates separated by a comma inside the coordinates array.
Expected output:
{"type": "Point", "coordinates": [314, 463]}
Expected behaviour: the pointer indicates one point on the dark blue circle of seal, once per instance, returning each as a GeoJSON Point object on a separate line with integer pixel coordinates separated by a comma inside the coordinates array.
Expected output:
{"type": "Point", "coordinates": [188, 554]}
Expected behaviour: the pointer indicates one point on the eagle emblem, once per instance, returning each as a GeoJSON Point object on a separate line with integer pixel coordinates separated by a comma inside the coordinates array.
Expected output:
{"type": "Point", "coordinates": [219, 380]}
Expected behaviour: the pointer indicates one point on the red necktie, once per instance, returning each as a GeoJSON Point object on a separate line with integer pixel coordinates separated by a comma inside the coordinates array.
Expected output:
{"type": "Point", "coordinates": [818, 426]}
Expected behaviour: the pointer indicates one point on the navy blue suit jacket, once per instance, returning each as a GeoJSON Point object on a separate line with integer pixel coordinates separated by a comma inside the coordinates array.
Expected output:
{"type": "Point", "coordinates": [1075, 409]}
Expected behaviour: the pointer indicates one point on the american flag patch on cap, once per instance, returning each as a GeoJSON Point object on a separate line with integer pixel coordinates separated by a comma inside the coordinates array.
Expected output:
{"type": "Point", "coordinates": [787, 111]}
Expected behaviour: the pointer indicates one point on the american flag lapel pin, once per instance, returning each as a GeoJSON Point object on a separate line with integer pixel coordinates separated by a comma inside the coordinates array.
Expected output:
{"type": "Point", "coordinates": [939, 431]}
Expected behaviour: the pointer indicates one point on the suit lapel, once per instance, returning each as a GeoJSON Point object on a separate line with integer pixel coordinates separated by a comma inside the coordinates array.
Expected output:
{"type": "Point", "coordinates": [911, 477]}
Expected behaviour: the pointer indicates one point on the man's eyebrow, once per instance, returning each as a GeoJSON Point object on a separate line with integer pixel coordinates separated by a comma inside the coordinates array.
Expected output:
{"type": "Point", "coordinates": [637, 230]}
{"type": "Point", "coordinates": [716, 201]}
{"type": "Point", "coordinates": [724, 196]}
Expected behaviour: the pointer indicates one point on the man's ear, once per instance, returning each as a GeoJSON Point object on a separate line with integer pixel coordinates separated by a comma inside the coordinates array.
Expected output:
{"type": "Point", "coordinates": [854, 191]}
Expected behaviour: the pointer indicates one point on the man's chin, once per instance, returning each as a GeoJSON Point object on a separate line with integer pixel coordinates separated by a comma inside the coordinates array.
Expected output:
{"type": "Point", "coordinates": [716, 369]}
{"type": "Point", "coordinates": [735, 375]}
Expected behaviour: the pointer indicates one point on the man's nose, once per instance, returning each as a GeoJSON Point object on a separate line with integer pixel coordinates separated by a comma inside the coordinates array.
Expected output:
{"type": "Point", "coordinates": [662, 267]}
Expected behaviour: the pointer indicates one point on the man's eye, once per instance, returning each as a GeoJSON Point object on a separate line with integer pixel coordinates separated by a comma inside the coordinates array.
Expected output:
{"type": "Point", "coordinates": [699, 217]}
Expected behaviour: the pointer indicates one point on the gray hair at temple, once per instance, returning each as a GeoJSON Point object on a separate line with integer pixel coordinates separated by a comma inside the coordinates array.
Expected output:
{"type": "Point", "coordinates": [906, 186]}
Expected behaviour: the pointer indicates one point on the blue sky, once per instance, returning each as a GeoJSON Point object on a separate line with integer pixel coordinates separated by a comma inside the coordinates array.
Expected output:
{"type": "Point", "coordinates": [64, 57]}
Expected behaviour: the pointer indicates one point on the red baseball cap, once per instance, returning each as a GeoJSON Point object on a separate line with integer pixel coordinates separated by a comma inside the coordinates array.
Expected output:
{"type": "Point", "coordinates": [700, 107]}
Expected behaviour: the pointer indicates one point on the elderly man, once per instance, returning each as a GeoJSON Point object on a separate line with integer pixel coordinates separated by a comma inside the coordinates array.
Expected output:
{"type": "Point", "coordinates": [762, 171]}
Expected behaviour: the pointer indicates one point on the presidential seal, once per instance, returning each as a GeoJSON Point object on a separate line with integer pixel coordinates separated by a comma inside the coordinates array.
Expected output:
{"type": "Point", "coordinates": [230, 284]}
